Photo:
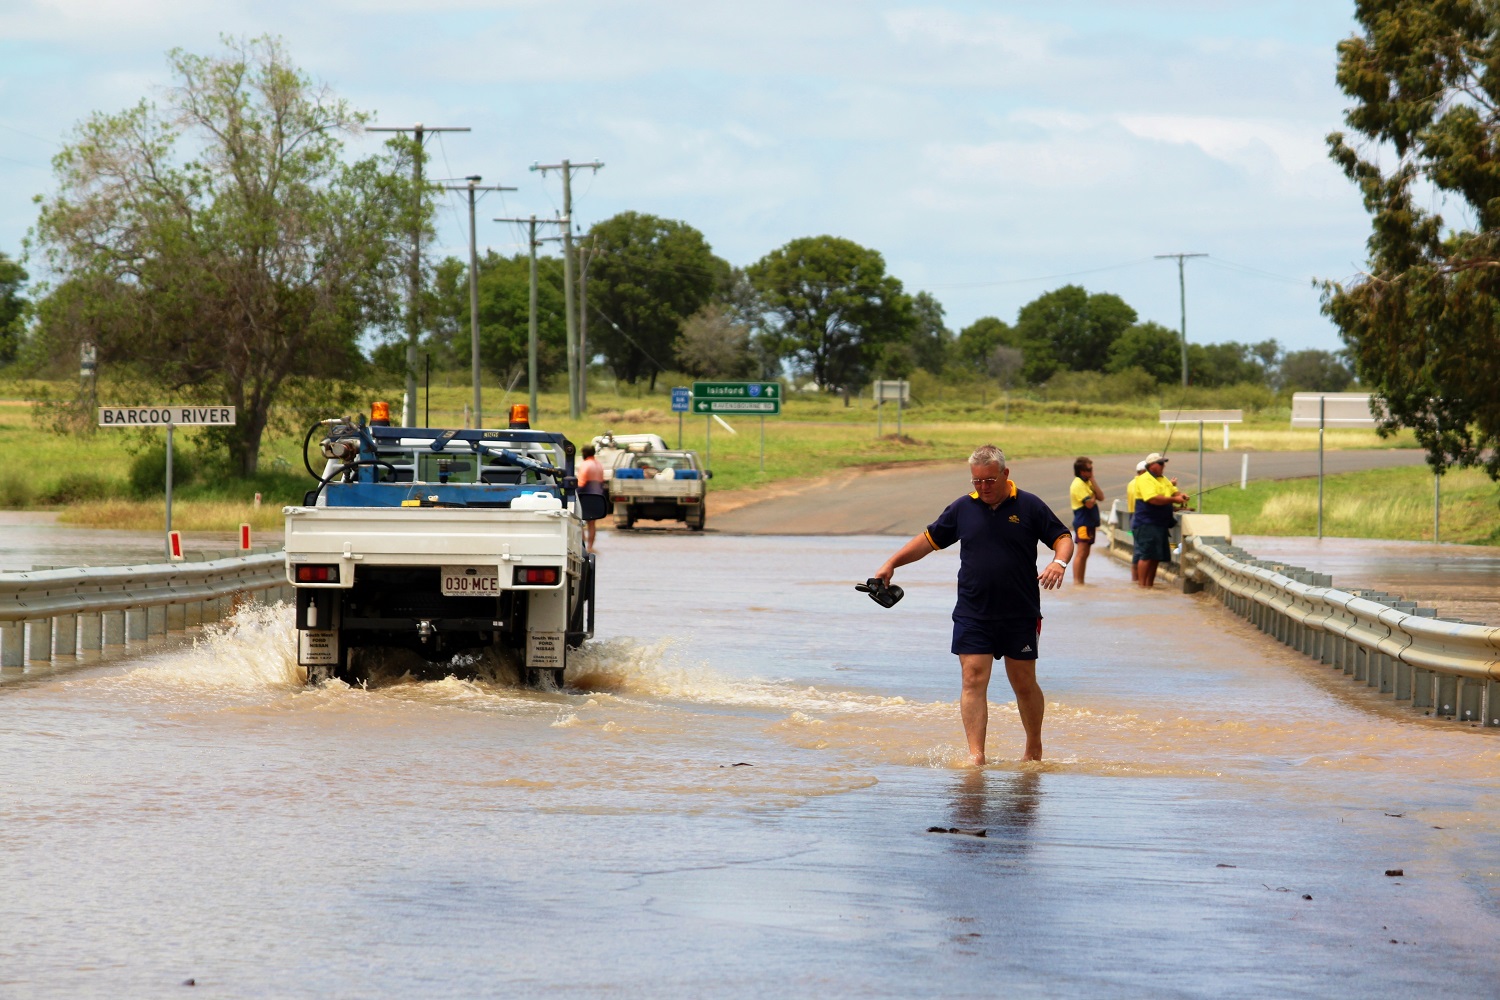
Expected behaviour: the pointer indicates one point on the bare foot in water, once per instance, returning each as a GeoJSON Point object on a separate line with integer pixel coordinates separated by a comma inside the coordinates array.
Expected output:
{"type": "Point", "coordinates": [1032, 753]}
{"type": "Point", "coordinates": [976, 759]}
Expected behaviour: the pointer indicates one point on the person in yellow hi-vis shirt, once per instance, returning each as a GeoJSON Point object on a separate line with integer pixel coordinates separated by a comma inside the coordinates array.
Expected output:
{"type": "Point", "coordinates": [1084, 496]}
{"type": "Point", "coordinates": [1131, 496]}
{"type": "Point", "coordinates": [1156, 498]}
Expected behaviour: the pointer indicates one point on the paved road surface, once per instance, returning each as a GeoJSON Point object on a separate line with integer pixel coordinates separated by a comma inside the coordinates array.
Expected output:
{"type": "Point", "coordinates": [904, 500]}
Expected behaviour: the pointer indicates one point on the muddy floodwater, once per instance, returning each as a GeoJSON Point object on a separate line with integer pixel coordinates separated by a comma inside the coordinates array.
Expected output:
{"type": "Point", "coordinates": [733, 798]}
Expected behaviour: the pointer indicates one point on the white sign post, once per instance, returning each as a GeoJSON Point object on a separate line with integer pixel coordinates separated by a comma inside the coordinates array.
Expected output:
{"type": "Point", "coordinates": [1332, 409]}
{"type": "Point", "coordinates": [170, 417]}
{"type": "Point", "coordinates": [1201, 417]}
{"type": "Point", "coordinates": [897, 389]}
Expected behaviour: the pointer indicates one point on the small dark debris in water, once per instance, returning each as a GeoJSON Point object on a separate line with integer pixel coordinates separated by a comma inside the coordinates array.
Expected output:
{"type": "Point", "coordinates": [1306, 896]}
{"type": "Point", "coordinates": [1279, 888]}
{"type": "Point", "coordinates": [1222, 865]}
{"type": "Point", "coordinates": [1439, 828]}
{"type": "Point", "coordinates": [1394, 941]}
{"type": "Point", "coordinates": [957, 830]}
{"type": "Point", "coordinates": [190, 982]}
{"type": "Point", "coordinates": [1395, 872]}
{"type": "Point", "coordinates": [1395, 815]}
{"type": "Point", "coordinates": [740, 764]}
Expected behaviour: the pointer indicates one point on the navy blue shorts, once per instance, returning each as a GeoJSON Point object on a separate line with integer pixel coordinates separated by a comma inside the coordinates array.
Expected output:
{"type": "Point", "coordinates": [1012, 638]}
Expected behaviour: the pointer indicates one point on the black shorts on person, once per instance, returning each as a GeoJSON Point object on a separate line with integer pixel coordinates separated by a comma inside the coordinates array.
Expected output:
{"type": "Point", "coordinates": [1012, 637]}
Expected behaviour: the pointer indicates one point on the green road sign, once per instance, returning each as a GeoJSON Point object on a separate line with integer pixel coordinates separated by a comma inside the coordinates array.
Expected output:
{"type": "Point", "coordinates": [754, 398]}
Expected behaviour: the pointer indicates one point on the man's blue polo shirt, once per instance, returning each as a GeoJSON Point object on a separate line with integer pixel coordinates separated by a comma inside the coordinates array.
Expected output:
{"type": "Point", "coordinates": [997, 560]}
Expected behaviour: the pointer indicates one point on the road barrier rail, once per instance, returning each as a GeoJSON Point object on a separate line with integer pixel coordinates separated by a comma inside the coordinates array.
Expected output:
{"type": "Point", "coordinates": [1447, 669]}
{"type": "Point", "coordinates": [49, 615]}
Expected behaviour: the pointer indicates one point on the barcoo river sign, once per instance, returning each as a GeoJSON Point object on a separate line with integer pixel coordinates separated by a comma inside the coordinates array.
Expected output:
{"type": "Point", "coordinates": [166, 416]}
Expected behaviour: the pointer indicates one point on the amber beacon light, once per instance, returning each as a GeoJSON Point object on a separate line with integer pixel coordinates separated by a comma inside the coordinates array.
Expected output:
{"type": "Point", "coordinates": [380, 414]}
{"type": "Point", "coordinates": [520, 416]}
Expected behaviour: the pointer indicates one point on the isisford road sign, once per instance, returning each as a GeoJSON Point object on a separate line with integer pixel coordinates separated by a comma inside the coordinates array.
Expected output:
{"type": "Point", "coordinates": [752, 398]}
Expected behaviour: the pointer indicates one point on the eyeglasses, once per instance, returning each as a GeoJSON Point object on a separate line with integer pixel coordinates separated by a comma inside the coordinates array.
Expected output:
{"type": "Point", "coordinates": [985, 482]}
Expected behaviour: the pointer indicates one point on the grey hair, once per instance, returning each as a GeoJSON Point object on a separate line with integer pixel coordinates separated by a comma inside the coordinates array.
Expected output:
{"type": "Point", "coordinates": [987, 454]}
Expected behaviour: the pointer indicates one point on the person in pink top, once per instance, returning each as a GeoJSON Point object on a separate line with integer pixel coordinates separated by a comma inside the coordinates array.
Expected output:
{"type": "Point", "coordinates": [590, 480]}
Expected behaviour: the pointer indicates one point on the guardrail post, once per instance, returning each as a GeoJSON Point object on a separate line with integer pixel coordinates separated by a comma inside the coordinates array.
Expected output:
{"type": "Point", "coordinates": [1469, 700]}
{"type": "Point", "coordinates": [39, 639]}
{"type": "Point", "coordinates": [1403, 683]}
{"type": "Point", "coordinates": [176, 617]}
{"type": "Point", "coordinates": [13, 644]}
{"type": "Point", "coordinates": [114, 628]}
{"type": "Point", "coordinates": [1446, 695]}
{"type": "Point", "coordinates": [1421, 688]}
{"type": "Point", "coordinates": [1492, 703]}
{"type": "Point", "coordinates": [156, 620]}
{"type": "Point", "coordinates": [65, 637]}
{"type": "Point", "coordinates": [91, 632]}
{"type": "Point", "coordinates": [194, 612]}
{"type": "Point", "coordinates": [1385, 680]}
{"type": "Point", "coordinates": [135, 624]}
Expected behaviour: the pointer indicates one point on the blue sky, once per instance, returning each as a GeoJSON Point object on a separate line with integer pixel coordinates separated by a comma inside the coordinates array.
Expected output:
{"type": "Point", "coordinates": [990, 151]}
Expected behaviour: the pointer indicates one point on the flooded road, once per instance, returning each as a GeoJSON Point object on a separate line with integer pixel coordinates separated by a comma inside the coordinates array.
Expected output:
{"type": "Point", "coordinates": [733, 798]}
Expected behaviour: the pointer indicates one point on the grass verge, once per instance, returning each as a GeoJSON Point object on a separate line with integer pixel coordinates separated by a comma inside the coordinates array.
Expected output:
{"type": "Point", "coordinates": [1381, 503]}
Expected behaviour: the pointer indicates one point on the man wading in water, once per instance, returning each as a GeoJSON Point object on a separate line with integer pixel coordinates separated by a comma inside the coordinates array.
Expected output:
{"type": "Point", "coordinates": [999, 610]}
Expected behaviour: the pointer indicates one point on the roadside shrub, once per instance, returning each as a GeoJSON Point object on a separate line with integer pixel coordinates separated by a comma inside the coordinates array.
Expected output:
{"type": "Point", "coordinates": [15, 494]}
{"type": "Point", "coordinates": [78, 487]}
{"type": "Point", "coordinates": [148, 471]}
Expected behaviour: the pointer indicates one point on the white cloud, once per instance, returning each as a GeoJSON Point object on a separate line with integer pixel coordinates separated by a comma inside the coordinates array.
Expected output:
{"type": "Point", "coordinates": [1296, 147]}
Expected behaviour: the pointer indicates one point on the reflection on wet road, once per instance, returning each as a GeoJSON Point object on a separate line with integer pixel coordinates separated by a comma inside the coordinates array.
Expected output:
{"type": "Point", "coordinates": [734, 798]}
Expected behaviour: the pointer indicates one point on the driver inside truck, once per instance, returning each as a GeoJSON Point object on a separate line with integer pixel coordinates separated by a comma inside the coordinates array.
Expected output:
{"type": "Point", "coordinates": [648, 470]}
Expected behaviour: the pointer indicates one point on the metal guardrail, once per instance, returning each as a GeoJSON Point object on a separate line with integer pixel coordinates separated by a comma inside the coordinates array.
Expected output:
{"type": "Point", "coordinates": [1447, 669]}
{"type": "Point", "coordinates": [54, 614]}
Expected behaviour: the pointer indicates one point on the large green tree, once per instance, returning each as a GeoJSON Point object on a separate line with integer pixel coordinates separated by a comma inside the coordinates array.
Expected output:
{"type": "Point", "coordinates": [646, 276]}
{"type": "Point", "coordinates": [976, 344]}
{"type": "Point", "coordinates": [1068, 329]}
{"type": "Point", "coordinates": [504, 314]}
{"type": "Point", "coordinates": [219, 246]}
{"type": "Point", "coordinates": [1152, 348]}
{"type": "Point", "coordinates": [1423, 323]}
{"type": "Point", "coordinates": [12, 277]}
{"type": "Point", "coordinates": [831, 309]}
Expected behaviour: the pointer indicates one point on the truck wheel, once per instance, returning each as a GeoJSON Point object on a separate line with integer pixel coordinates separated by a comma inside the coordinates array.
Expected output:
{"type": "Point", "coordinates": [625, 523]}
{"type": "Point", "coordinates": [696, 523]}
{"type": "Point", "coordinates": [542, 678]}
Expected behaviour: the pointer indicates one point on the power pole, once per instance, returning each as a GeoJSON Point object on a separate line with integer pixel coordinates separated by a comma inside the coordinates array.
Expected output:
{"type": "Point", "coordinates": [586, 254]}
{"type": "Point", "coordinates": [566, 168]}
{"type": "Point", "coordinates": [532, 242]}
{"type": "Point", "coordinates": [414, 267]}
{"type": "Point", "coordinates": [1182, 295]}
{"type": "Point", "coordinates": [473, 186]}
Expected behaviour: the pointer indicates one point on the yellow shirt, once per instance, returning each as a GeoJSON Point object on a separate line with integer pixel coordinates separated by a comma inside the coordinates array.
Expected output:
{"type": "Point", "coordinates": [1130, 497]}
{"type": "Point", "coordinates": [1079, 492]}
{"type": "Point", "coordinates": [1147, 486]}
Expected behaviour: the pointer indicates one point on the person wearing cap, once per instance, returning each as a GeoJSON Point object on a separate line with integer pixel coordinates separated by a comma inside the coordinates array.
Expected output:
{"type": "Point", "coordinates": [1156, 498]}
{"type": "Point", "coordinates": [1084, 496]}
{"type": "Point", "coordinates": [999, 611]}
{"type": "Point", "coordinates": [1130, 498]}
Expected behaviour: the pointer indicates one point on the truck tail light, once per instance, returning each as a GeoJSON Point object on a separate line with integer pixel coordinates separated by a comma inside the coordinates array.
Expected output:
{"type": "Point", "coordinates": [687, 499]}
{"type": "Point", "coordinates": [537, 574]}
{"type": "Point", "coordinates": [317, 574]}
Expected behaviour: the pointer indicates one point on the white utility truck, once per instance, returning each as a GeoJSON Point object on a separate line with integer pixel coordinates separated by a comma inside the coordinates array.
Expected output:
{"type": "Point", "coordinates": [658, 485]}
{"type": "Point", "coordinates": [445, 543]}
